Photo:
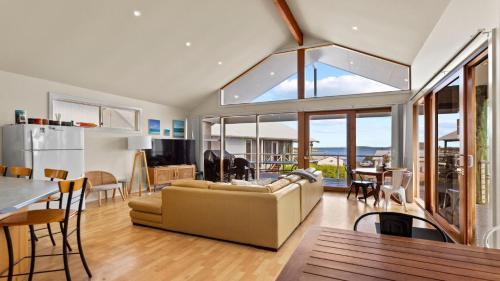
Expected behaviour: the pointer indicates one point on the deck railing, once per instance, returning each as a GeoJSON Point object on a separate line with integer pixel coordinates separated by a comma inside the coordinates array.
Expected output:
{"type": "Point", "coordinates": [281, 162]}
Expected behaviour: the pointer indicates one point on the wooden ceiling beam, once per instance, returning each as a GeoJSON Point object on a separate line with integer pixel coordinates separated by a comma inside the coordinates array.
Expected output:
{"type": "Point", "coordinates": [290, 21]}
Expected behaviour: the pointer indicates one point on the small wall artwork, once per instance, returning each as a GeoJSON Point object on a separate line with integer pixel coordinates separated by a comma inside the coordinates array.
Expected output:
{"type": "Point", "coordinates": [154, 126]}
{"type": "Point", "coordinates": [166, 132]}
{"type": "Point", "coordinates": [178, 128]}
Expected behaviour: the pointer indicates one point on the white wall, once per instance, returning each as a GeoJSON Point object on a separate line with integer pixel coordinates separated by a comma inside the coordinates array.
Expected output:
{"type": "Point", "coordinates": [460, 20]}
{"type": "Point", "coordinates": [103, 150]}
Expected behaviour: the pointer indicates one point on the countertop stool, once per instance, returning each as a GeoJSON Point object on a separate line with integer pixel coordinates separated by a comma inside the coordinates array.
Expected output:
{"type": "Point", "coordinates": [43, 217]}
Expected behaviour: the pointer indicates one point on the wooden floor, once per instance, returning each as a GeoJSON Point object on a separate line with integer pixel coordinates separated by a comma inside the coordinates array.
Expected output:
{"type": "Point", "coordinates": [117, 250]}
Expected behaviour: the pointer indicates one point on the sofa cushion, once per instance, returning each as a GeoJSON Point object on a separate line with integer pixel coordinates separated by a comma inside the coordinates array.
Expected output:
{"type": "Point", "coordinates": [233, 187]}
{"type": "Point", "coordinates": [145, 217]}
{"type": "Point", "coordinates": [311, 170]}
{"type": "Point", "coordinates": [304, 174]}
{"type": "Point", "coordinates": [293, 178]}
{"type": "Point", "coordinates": [277, 185]}
{"type": "Point", "coordinates": [192, 183]}
{"type": "Point", "coordinates": [146, 205]}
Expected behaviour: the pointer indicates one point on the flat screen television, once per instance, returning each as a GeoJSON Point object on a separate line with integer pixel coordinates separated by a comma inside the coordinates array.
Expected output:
{"type": "Point", "coordinates": [171, 152]}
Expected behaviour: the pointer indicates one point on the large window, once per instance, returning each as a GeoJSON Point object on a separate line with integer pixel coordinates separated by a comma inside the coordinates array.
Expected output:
{"type": "Point", "coordinates": [328, 71]}
{"type": "Point", "coordinates": [273, 79]}
{"type": "Point", "coordinates": [255, 146]}
{"type": "Point", "coordinates": [336, 71]}
{"type": "Point", "coordinates": [373, 139]}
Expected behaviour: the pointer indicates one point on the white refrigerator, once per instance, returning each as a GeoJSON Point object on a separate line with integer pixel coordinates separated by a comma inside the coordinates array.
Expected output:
{"type": "Point", "coordinates": [44, 146]}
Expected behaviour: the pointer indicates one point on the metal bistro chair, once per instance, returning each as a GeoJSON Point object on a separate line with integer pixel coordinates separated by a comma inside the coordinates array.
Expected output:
{"type": "Point", "coordinates": [400, 224]}
{"type": "Point", "coordinates": [242, 168]}
{"type": "Point", "coordinates": [35, 217]}
{"type": "Point", "coordinates": [361, 183]}
{"type": "Point", "coordinates": [400, 180]}
{"type": "Point", "coordinates": [488, 235]}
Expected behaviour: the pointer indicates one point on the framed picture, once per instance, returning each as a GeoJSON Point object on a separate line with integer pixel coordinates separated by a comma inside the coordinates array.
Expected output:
{"type": "Point", "coordinates": [178, 128]}
{"type": "Point", "coordinates": [166, 132]}
{"type": "Point", "coordinates": [154, 126]}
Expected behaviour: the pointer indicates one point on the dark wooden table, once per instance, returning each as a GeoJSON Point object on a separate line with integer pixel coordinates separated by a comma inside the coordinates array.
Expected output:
{"type": "Point", "coordinates": [335, 254]}
{"type": "Point", "coordinates": [373, 172]}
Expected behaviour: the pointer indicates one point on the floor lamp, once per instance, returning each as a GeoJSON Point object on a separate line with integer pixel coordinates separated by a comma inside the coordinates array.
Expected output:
{"type": "Point", "coordinates": [139, 143]}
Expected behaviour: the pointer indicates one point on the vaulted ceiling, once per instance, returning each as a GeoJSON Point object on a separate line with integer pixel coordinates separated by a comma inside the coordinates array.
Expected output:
{"type": "Point", "coordinates": [101, 45]}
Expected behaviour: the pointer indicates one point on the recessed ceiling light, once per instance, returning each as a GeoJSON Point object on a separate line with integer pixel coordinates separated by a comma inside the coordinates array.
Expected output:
{"type": "Point", "coordinates": [271, 73]}
{"type": "Point", "coordinates": [188, 44]}
{"type": "Point", "coordinates": [351, 62]}
{"type": "Point", "coordinates": [406, 79]}
{"type": "Point", "coordinates": [219, 63]}
{"type": "Point", "coordinates": [355, 28]}
{"type": "Point", "coordinates": [236, 96]}
{"type": "Point", "coordinates": [137, 13]}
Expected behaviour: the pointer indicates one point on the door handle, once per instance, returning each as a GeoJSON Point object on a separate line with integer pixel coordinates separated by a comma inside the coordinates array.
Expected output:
{"type": "Point", "coordinates": [470, 161]}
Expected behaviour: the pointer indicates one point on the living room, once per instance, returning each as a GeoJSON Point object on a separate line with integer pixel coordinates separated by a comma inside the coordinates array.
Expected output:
{"type": "Point", "coordinates": [249, 140]}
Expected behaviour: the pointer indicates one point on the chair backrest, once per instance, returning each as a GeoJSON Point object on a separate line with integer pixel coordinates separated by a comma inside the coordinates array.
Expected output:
{"type": "Point", "coordinates": [100, 177]}
{"type": "Point", "coordinates": [488, 235]}
{"type": "Point", "coordinates": [21, 172]}
{"type": "Point", "coordinates": [241, 163]}
{"type": "Point", "coordinates": [56, 174]}
{"type": "Point", "coordinates": [398, 224]}
{"type": "Point", "coordinates": [406, 179]}
{"type": "Point", "coordinates": [69, 187]}
{"type": "Point", "coordinates": [350, 173]}
{"type": "Point", "coordinates": [3, 170]}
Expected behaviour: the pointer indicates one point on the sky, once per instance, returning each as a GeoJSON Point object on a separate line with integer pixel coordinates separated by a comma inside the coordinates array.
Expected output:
{"type": "Point", "coordinates": [331, 82]}
{"type": "Point", "coordinates": [374, 131]}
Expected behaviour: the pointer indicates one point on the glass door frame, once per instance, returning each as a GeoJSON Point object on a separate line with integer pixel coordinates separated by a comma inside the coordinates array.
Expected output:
{"type": "Point", "coordinates": [460, 232]}
{"type": "Point", "coordinates": [467, 197]}
{"type": "Point", "coordinates": [351, 114]}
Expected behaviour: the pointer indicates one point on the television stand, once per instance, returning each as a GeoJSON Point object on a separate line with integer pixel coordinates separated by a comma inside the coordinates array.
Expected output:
{"type": "Point", "coordinates": [161, 175]}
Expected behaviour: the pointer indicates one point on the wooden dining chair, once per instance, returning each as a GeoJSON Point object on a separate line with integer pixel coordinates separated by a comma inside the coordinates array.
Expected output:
{"type": "Point", "coordinates": [61, 215]}
{"type": "Point", "coordinates": [52, 174]}
{"type": "Point", "coordinates": [3, 170]}
{"type": "Point", "coordinates": [19, 172]}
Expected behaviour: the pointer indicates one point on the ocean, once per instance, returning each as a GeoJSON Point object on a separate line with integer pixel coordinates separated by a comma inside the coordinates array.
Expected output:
{"type": "Point", "coordinates": [361, 151]}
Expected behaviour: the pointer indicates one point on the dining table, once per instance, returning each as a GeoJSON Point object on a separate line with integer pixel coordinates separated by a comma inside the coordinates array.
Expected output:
{"type": "Point", "coordinates": [379, 180]}
{"type": "Point", "coordinates": [337, 254]}
{"type": "Point", "coordinates": [16, 195]}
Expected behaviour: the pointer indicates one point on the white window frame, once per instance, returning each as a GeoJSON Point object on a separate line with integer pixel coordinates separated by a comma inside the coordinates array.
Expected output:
{"type": "Point", "coordinates": [85, 101]}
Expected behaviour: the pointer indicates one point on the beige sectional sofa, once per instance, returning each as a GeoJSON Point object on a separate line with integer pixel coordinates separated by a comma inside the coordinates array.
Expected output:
{"type": "Point", "coordinates": [251, 214]}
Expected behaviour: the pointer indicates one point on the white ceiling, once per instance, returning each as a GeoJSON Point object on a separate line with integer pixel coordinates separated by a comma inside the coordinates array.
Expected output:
{"type": "Point", "coordinates": [100, 44]}
{"type": "Point", "coordinates": [394, 29]}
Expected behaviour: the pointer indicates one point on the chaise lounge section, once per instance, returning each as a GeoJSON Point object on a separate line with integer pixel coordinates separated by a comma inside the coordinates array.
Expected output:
{"type": "Point", "coordinates": [263, 216]}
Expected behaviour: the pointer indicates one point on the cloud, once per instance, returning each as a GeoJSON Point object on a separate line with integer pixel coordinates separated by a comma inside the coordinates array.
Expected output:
{"type": "Point", "coordinates": [329, 86]}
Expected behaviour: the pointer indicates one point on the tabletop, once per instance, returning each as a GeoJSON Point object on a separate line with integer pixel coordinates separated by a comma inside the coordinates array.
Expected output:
{"type": "Point", "coordinates": [335, 254]}
{"type": "Point", "coordinates": [368, 171]}
{"type": "Point", "coordinates": [17, 193]}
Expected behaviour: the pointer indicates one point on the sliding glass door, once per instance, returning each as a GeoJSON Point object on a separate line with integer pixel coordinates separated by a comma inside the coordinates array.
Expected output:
{"type": "Point", "coordinates": [452, 151]}
{"type": "Point", "coordinates": [327, 147]}
{"type": "Point", "coordinates": [335, 139]}
{"type": "Point", "coordinates": [450, 188]}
